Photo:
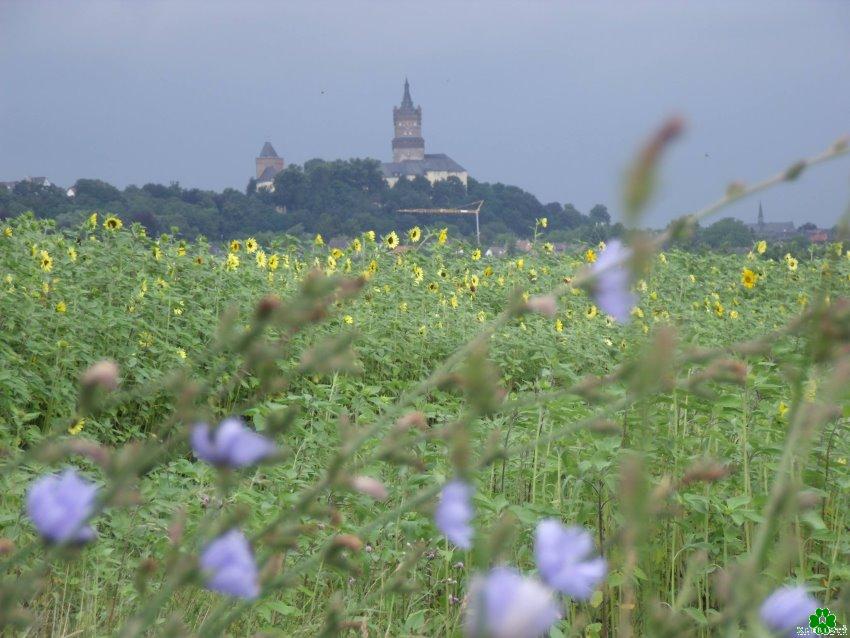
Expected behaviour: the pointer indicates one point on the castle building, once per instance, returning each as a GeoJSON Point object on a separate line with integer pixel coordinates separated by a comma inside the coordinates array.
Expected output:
{"type": "Point", "coordinates": [409, 156]}
{"type": "Point", "coordinates": [269, 164]}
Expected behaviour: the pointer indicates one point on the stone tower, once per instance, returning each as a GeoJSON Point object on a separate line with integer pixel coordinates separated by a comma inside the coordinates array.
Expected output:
{"type": "Point", "coordinates": [407, 143]}
{"type": "Point", "coordinates": [268, 159]}
{"type": "Point", "coordinates": [761, 217]}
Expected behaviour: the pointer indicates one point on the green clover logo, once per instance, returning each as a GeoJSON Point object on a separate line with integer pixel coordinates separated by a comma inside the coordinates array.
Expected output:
{"type": "Point", "coordinates": [822, 621]}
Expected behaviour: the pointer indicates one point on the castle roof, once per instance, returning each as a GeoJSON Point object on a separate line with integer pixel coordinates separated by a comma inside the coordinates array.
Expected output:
{"type": "Point", "coordinates": [268, 151]}
{"type": "Point", "coordinates": [432, 162]}
{"type": "Point", "coordinates": [268, 174]}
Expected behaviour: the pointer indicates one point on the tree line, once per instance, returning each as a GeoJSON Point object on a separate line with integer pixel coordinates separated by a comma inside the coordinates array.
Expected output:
{"type": "Point", "coordinates": [334, 198]}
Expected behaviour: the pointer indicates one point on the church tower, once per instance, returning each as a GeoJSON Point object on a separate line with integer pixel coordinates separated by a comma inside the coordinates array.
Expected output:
{"type": "Point", "coordinates": [408, 143]}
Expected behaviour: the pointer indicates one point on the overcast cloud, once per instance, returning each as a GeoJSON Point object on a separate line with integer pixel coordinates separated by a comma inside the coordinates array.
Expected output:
{"type": "Point", "coordinates": [550, 96]}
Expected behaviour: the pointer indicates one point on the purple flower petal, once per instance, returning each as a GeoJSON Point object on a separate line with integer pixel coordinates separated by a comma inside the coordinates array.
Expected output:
{"type": "Point", "coordinates": [231, 444]}
{"type": "Point", "coordinates": [504, 604]}
{"type": "Point", "coordinates": [454, 513]}
{"type": "Point", "coordinates": [59, 506]}
{"type": "Point", "coordinates": [229, 564]}
{"type": "Point", "coordinates": [611, 288]}
{"type": "Point", "coordinates": [788, 608]}
{"type": "Point", "coordinates": [564, 558]}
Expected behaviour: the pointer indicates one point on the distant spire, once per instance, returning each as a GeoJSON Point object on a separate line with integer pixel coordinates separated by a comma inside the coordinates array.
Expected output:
{"type": "Point", "coordinates": [761, 216]}
{"type": "Point", "coordinates": [406, 101]}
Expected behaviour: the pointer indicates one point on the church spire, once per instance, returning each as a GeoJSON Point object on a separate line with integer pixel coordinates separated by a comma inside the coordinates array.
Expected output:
{"type": "Point", "coordinates": [761, 216]}
{"type": "Point", "coordinates": [406, 101]}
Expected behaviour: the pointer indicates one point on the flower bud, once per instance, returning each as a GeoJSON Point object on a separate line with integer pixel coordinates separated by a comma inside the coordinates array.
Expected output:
{"type": "Point", "coordinates": [103, 374]}
{"type": "Point", "coordinates": [543, 304]}
{"type": "Point", "coordinates": [370, 487]}
{"type": "Point", "coordinates": [348, 541]}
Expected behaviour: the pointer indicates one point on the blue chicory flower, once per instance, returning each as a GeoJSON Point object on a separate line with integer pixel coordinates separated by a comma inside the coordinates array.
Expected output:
{"type": "Point", "coordinates": [611, 286]}
{"type": "Point", "coordinates": [229, 565]}
{"type": "Point", "coordinates": [232, 444]}
{"type": "Point", "coordinates": [565, 559]}
{"type": "Point", "coordinates": [788, 608]}
{"type": "Point", "coordinates": [454, 513]}
{"type": "Point", "coordinates": [505, 604]}
{"type": "Point", "coordinates": [59, 506]}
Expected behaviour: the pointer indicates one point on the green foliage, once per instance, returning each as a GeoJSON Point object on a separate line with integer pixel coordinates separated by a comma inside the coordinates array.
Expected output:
{"type": "Point", "coordinates": [565, 440]}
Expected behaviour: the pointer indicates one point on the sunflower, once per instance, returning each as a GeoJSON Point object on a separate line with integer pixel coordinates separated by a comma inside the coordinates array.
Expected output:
{"type": "Point", "coordinates": [423, 331]}
{"type": "Point", "coordinates": [733, 314]}
{"type": "Point", "coordinates": [591, 312]}
{"type": "Point", "coordinates": [348, 319]}
{"type": "Point", "coordinates": [520, 263]}
{"type": "Point", "coordinates": [748, 278]}
{"type": "Point", "coordinates": [274, 262]}
{"type": "Point", "coordinates": [761, 247]}
{"type": "Point", "coordinates": [112, 223]}
{"type": "Point", "coordinates": [72, 254]}
{"type": "Point", "coordinates": [199, 260]}
{"type": "Point", "coordinates": [792, 264]}
{"type": "Point", "coordinates": [476, 254]}
{"type": "Point", "coordinates": [318, 240]}
{"type": "Point", "coordinates": [232, 262]}
{"type": "Point", "coordinates": [453, 301]}
{"type": "Point", "coordinates": [443, 273]}
{"type": "Point", "coordinates": [261, 259]}
{"type": "Point", "coordinates": [481, 316]}
{"type": "Point", "coordinates": [662, 258]}
{"type": "Point", "coordinates": [473, 280]}
{"type": "Point", "coordinates": [92, 221]}
{"type": "Point", "coordinates": [559, 325]}
{"type": "Point", "coordinates": [590, 255]}
{"type": "Point", "coordinates": [235, 246]}
{"type": "Point", "coordinates": [414, 234]}
{"type": "Point", "coordinates": [488, 271]}
{"type": "Point", "coordinates": [719, 309]}
{"type": "Point", "coordinates": [7, 231]}
{"type": "Point", "coordinates": [331, 262]}
{"type": "Point", "coordinates": [391, 240]}
{"type": "Point", "coordinates": [433, 286]}
{"type": "Point", "coordinates": [61, 307]}
{"type": "Point", "coordinates": [251, 245]}
{"type": "Point", "coordinates": [77, 427]}
{"type": "Point", "coordinates": [157, 252]}
{"type": "Point", "coordinates": [544, 222]}
{"type": "Point", "coordinates": [356, 245]}
{"type": "Point", "coordinates": [636, 312]}
{"type": "Point", "coordinates": [549, 248]}
{"type": "Point", "coordinates": [369, 235]}
{"type": "Point", "coordinates": [181, 249]}
{"type": "Point", "coordinates": [181, 353]}
{"type": "Point", "coordinates": [601, 246]}
{"type": "Point", "coordinates": [443, 236]}
{"type": "Point", "coordinates": [45, 261]}
{"type": "Point", "coordinates": [336, 253]}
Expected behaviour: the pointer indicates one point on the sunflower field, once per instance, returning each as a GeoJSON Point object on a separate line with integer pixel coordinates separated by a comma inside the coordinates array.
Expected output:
{"type": "Point", "coordinates": [699, 442]}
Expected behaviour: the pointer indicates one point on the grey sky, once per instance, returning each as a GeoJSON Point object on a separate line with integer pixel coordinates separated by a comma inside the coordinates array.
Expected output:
{"type": "Point", "coordinates": [550, 96]}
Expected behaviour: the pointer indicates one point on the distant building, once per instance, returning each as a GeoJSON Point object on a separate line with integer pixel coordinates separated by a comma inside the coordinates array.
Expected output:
{"type": "Point", "coordinates": [269, 164]}
{"type": "Point", "coordinates": [37, 181]}
{"type": "Point", "coordinates": [771, 230]}
{"type": "Point", "coordinates": [409, 157]}
{"type": "Point", "coordinates": [818, 236]}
